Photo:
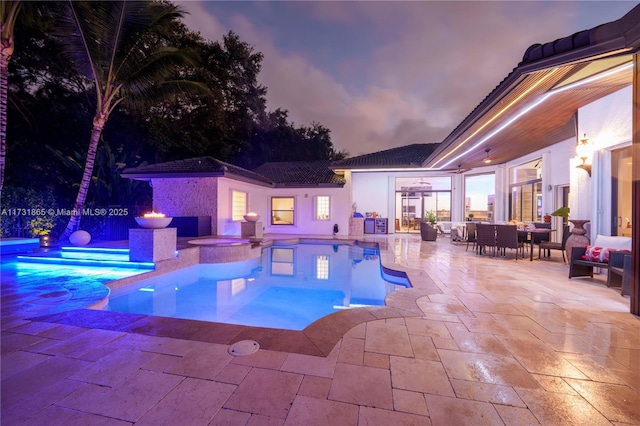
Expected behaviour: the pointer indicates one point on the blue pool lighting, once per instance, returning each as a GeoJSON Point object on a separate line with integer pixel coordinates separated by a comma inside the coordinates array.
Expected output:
{"type": "Point", "coordinates": [288, 287]}
{"type": "Point", "coordinates": [85, 262]}
{"type": "Point", "coordinates": [87, 256]}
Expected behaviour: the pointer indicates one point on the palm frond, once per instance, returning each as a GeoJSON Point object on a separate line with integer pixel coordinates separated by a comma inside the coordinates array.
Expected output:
{"type": "Point", "coordinates": [163, 64]}
{"type": "Point", "coordinates": [100, 36]}
{"type": "Point", "coordinates": [157, 93]}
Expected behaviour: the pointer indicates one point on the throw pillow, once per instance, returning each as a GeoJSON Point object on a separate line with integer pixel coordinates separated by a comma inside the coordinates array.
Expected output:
{"type": "Point", "coordinates": [595, 254]}
{"type": "Point", "coordinates": [599, 254]}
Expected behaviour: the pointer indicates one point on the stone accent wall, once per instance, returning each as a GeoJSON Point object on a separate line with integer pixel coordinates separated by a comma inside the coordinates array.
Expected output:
{"type": "Point", "coordinates": [187, 197]}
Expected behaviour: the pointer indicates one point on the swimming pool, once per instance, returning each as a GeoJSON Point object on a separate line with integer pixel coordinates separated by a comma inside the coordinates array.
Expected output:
{"type": "Point", "coordinates": [288, 287]}
{"type": "Point", "coordinates": [37, 289]}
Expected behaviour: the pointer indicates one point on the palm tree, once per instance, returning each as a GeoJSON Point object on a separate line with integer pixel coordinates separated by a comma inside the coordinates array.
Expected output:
{"type": "Point", "coordinates": [10, 12]}
{"type": "Point", "coordinates": [118, 47]}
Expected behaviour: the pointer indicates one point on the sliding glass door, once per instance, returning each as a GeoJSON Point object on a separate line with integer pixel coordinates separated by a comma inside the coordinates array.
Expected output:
{"type": "Point", "coordinates": [621, 162]}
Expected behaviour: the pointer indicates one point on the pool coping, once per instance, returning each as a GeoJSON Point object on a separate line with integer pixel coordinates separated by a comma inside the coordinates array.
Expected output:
{"type": "Point", "coordinates": [317, 339]}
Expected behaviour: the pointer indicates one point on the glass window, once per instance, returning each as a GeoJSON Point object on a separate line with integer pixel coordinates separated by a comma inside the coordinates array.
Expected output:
{"type": "Point", "coordinates": [525, 184]}
{"type": "Point", "coordinates": [282, 210]}
{"type": "Point", "coordinates": [417, 196]}
{"type": "Point", "coordinates": [526, 202]}
{"type": "Point", "coordinates": [282, 261]}
{"type": "Point", "coordinates": [238, 205]}
{"type": "Point", "coordinates": [322, 267]}
{"type": "Point", "coordinates": [526, 172]}
{"type": "Point", "coordinates": [480, 196]}
{"type": "Point", "coordinates": [322, 207]}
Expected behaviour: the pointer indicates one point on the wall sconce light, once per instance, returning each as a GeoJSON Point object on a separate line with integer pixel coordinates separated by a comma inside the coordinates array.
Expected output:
{"type": "Point", "coordinates": [584, 151]}
{"type": "Point", "coordinates": [487, 160]}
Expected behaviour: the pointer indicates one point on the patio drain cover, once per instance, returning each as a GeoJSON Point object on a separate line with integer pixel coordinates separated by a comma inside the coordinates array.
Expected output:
{"type": "Point", "coordinates": [244, 348]}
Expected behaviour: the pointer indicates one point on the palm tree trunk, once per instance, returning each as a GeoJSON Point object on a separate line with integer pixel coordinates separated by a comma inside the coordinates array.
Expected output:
{"type": "Point", "coordinates": [74, 221]}
{"type": "Point", "coordinates": [5, 55]}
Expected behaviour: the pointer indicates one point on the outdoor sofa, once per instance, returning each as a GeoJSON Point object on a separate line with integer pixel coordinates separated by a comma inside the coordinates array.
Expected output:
{"type": "Point", "coordinates": [605, 252]}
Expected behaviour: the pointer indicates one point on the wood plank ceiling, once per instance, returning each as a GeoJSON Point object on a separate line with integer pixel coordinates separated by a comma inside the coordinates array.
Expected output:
{"type": "Point", "coordinates": [545, 124]}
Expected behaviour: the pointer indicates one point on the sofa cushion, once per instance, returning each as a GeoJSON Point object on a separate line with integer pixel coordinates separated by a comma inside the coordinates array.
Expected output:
{"type": "Point", "coordinates": [613, 242]}
{"type": "Point", "coordinates": [599, 254]}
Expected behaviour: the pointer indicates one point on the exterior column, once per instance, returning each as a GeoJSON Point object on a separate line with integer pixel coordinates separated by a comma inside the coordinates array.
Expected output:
{"type": "Point", "coordinates": [635, 190]}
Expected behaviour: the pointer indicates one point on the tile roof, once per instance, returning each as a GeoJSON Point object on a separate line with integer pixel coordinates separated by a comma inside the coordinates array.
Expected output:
{"type": "Point", "coordinates": [194, 167]}
{"type": "Point", "coordinates": [623, 30]}
{"type": "Point", "coordinates": [301, 173]}
{"type": "Point", "coordinates": [400, 157]}
{"type": "Point", "coordinates": [293, 173]}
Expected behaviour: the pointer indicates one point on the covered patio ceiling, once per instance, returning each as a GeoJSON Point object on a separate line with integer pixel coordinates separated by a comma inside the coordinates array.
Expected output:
{"type": "Point", "coordinates": [538, 112]}
{"type": "Point", "coordinates": [535, 106]}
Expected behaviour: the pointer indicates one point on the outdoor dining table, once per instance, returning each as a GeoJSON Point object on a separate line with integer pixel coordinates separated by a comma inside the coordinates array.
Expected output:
{"type": "Point", "coordinates": [528, 234]}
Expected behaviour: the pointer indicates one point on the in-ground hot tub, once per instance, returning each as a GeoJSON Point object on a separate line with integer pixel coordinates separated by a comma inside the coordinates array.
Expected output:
{"type": "Point", "coordinates": [225, 250]}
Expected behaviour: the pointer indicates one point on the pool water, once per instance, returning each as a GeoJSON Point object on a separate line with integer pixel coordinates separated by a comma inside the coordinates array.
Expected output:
{"type": "Point", "coordinates": [288, 287]}
{"type": "Point", "coordinates": [37, 289]}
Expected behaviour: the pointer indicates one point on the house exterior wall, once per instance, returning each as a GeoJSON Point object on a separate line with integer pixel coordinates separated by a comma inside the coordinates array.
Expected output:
{"type": "Point", "coordinates": [256, 200]}
{"type": "Point", "coordinates": [608, 124]}
{"type": "Point", "coordinates": [186, 197]}
{"type": "Point", "coordinates": [371, 192]}
{"type": "Point", "coordinates": [305, 223]}
{"type": "Point", "coordinates": [375, 192]}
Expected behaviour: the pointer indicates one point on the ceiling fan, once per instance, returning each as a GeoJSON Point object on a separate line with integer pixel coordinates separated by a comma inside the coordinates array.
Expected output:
{"type": "Point", "coordinates": [459, 170]}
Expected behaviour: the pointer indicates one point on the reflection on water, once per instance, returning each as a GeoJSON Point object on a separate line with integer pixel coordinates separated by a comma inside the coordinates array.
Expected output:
{"type": "Point", "coordinates": [289, 287]}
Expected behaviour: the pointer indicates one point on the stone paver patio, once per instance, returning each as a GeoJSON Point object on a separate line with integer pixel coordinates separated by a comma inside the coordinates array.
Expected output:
{"type": "Point", "coordinates": [478, 340]}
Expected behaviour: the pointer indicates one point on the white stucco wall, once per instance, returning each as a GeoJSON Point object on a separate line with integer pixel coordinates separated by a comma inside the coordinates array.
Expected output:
{"type": "Point", "coordinates": [257, 203]}
{"type": "Point", "coordinates": [305, 223]}
{"type": "Point", "coordinates": [371, 192]}
{"type": "Point", "coordinates": [607, 123]}
{"type": "Point", "coordinates": [375, 192]}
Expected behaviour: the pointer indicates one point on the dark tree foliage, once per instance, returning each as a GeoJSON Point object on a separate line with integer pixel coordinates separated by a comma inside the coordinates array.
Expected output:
{"type": "Point", "coordinates": [50, 110]}
{"type": "Point", "coordinates": [277, 139]}
{"type": "Point", "coordinates": [220, 124]}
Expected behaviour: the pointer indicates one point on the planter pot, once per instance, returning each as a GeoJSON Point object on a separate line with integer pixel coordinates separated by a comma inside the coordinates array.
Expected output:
{"type": "Point", "coordinates": [428, 232]}
{"type": "Point", "coordinates": [577, 237]}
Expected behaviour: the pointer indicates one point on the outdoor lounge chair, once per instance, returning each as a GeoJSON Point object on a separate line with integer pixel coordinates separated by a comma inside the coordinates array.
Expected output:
{"type": "Point", "coordinates": [619, 274]}
{"type": "Point", "coordinates": [444, 227]}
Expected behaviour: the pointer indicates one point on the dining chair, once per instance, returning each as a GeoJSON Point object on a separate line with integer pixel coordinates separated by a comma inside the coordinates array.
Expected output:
{"type": "Point", "coordinates": [485, 237]}
{"type": "Point", "coordinates": [471, 235]}
{"type": "Point", "coordinates": [507, 237]}
{"type": "Point", "coordinates": [553, 245]}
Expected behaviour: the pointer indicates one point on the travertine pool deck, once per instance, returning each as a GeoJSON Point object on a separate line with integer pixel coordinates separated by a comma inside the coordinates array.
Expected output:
{"type": "Point", "coordinates": [478, 340]}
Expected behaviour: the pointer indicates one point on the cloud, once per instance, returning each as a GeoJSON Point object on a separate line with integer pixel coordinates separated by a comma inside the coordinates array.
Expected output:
{"type": "Point", "coordinates": [417, 69]}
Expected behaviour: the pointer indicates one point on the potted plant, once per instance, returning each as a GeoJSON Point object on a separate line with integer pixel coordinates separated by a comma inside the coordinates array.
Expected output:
{"type": "Point", "coordinates": [432, 218]}
{"type": "Point", "coordinates": [470, 217]}
{"type": "Point", "coordinates": [561, 212]}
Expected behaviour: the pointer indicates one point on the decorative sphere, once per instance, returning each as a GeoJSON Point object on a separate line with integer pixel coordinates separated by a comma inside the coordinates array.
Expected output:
{"type": "Point", "coordinates": [80, 238]}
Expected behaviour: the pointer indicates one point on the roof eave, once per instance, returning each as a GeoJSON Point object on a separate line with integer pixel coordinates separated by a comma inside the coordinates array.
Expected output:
{"type": "Point", "coordinates": [170, 175]}
{"type": "Point", "coordinates": [311, 185]}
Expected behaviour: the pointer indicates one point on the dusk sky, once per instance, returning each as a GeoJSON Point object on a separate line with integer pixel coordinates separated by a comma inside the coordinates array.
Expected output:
{"type": "Point", "coordinates": [382, 74]}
